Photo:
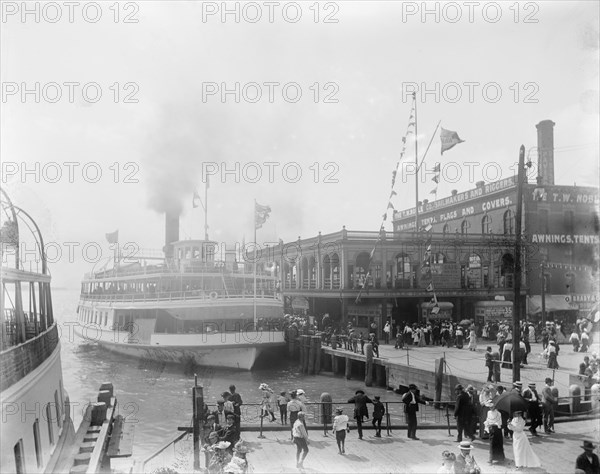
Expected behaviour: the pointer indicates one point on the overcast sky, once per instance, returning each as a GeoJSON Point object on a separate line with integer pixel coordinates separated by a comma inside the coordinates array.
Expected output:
{"type": "Point", "coordinates": [166, 117]}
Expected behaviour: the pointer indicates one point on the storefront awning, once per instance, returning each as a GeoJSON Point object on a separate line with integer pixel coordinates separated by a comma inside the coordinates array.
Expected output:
{"type": "Point", "coordinates": [553, 303]}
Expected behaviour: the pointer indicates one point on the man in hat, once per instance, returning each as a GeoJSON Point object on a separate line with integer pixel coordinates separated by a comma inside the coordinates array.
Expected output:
{"type": "Point", "coordinates": [378, 412]}
{"type": "Point", "coordinates": [411, 400]}
{"type": "Point", "coordinates": [463, 411]}
{"type": "Point", "coordinates": [588, 461]}
{"type": "Point", "coordinates": [489, 363]}
{"type": "Point", "coordinates": [517, 387]}
{"type": "Point", "coordinates": [360, 401]}
{"type": "Point", "coordinates": [465, 462]}
{"type": "Point", "coordinates": [340, 426]}
{"type": "Point", "coordinates": [548, 401]}
{"type": "Point", "coordinates": [211, 426]}
{"type": "Point", "coordinates": [219, 413]}
{"type": "Point", "coordinates": [533, 407]}
{"type": "Point", "coordinates": [236, 399]}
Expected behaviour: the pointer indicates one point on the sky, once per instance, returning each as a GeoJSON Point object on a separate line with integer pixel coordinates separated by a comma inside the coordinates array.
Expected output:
{"type": "Point", "coordinates": [136, 103]}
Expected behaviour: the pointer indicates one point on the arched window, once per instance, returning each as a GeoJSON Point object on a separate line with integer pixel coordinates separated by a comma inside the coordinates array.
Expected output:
{"type": "Point", "coordinates": [509, 223]}
{"type": "Point", "coordinates": [472, 272]}
{"type": "Point", "coordinates": [485, 224]}
{"type": "Point", "coordinates": [446, 229]}
{"type": "Point", "coordinates": [464, 228]}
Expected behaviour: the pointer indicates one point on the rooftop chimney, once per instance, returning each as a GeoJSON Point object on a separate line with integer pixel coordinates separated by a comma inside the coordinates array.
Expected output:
{"type": "Point", "coordinates": [479, 184]}
{"type": "Point", "coordinates": [545, 144]}
{"type": "Point", "coordinates": [171, 233]}
{"type": "Point", "coordinates": [454, 192]}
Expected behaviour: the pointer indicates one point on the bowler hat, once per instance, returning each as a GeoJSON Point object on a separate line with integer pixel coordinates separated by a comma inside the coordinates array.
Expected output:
{"type": "Point", "coordinates": [376, 397]}
{"type": "Point", "coordinates": [412, 385]}
{"type": "Point", "coordinates": [458, 387]}
{"type": "Point", "coordinates": [359, 391]}
{"type": "Point", "coordinates": [588, 445]}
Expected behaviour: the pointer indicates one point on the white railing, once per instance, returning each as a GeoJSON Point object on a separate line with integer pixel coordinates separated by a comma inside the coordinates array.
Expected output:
{"type": "Point", "coordinates": [177, 296]}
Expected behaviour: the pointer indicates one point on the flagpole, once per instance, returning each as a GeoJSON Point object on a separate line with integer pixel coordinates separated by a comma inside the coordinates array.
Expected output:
{"type": "Point", "coordinates": [430, 142]}
{"type": "Point", "coordinates": [206, 209]}
{"type": "Point", "coordinates": [254, 267]}
{"type": "Point", "coordinates": [416, 166]}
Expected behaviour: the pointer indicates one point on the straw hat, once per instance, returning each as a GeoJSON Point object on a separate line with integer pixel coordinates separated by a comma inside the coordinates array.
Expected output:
{"type": "Point", "coordinates": [222, 445]}
{"type": "Point", "coordinates": [465, 445]}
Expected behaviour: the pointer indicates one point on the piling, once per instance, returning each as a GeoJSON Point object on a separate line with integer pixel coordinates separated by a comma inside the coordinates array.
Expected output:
{"type": "Point", "coordinates": [318, 354]}
{"type": "Point", "coordinates": [305, 340]}
{"type": "Point", "coordinates": [575, 394]}
{"type": "Point", "coordinates": [334, 364]}
{"type": "Point", "coordinates": [380, 375]}
{"type": "Point", "coordinates": [348, 368]}
{"type": "Point", "coordinates": [314, 350]}
{"type": "Point", "coordinates": [368, 364]}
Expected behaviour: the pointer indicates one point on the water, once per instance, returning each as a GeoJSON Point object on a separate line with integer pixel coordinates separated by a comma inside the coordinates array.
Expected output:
{"type": "Point", "coordinates": [157, 400]}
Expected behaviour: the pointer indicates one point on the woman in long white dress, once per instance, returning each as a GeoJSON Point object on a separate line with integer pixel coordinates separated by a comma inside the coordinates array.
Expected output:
{"type": "Point", "coordinates": [524, 455]}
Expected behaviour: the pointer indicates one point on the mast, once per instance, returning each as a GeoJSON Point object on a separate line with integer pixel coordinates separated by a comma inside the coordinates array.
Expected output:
{"type": "Point", "coordinates": [254, 267]}
{"type": "Point", "coordinates": [206, 209]}
{"type": "Point", "coordinates": [416, 167]}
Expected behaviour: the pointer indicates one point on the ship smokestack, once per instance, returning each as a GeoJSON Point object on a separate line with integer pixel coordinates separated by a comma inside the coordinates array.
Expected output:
{"type": "Point", "coordinates": [545, 143]}
{"type": "Point", "coordinates": [171, 233]}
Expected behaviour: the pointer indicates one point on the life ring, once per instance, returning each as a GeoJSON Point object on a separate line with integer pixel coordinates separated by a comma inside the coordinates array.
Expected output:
{"type": "Point", "coordinates": [213, 295]}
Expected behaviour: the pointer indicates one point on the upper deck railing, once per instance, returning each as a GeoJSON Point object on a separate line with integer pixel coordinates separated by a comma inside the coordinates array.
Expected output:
{"type": "Point", "coordinates": [178, 296]}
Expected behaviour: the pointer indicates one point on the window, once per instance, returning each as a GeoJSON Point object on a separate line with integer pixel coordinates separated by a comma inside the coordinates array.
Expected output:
{"type": "Point", "coordinates": [19, 457]}
{"type": "Point", "coordinates": [464, 228]}
{"type": "Point", "coordinates": [446, 229]}
{"type": "Point", "coordinates": [49, 420]}
{"type": "Point", "coordinates": [438, 258]}
{"type": "Point", "coordinates": [509, 223]}
{"type": "Point", "coordinates": [485, 224]}
{"type": "Point", "coordinates": [36, 441]}
{"type": "Point", "coordinates": [403, 271]}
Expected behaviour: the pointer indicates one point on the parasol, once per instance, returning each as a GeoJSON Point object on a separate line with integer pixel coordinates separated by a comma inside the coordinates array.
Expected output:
{"type": "Point", "coordinates": [510, 402]}
{"type": "Point", "coordinates": [465, 322]}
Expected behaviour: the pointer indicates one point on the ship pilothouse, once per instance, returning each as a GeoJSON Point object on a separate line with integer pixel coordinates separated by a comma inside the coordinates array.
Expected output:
{"type": "Point", "coordinates": [195, 297]}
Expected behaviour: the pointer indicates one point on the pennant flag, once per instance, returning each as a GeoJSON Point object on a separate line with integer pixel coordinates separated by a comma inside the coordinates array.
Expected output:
{"type": "Point", "coordinates": [196, 201]}
{"type": "Point", "coordinates": [435, 310]}
{"type": "Point", "coordinates": [393, 193]}
{"type": "Point", "coordinates": [436, 168]}
{"type": "Point", "coordinates": [436, 179]}
{"type": "Point", "coordinates": [384, 217]}
{"type": "Point", "coordinates": [372, 253]}
{"type": "Point", "coordinates": [428, 249]}
{"type": "Point", "coordinates": [433, 191]}
{"type": "Point", "coordinates": [403, 141]}
{"type": "Point", "coordinates": [261, 214]}
{"type": "Point", "coordinates": [449, 139]}
{"type": "Point", "coordinates": [390, 205]}
{"type": "Point", "coordinates": [430, 287]}
{"type": "Point", "coordinates": [113, 237]}
{"type": "Point", "coordinates": [427, 228]}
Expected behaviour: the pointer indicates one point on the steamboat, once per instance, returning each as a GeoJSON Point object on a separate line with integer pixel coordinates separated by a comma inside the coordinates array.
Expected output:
{"type": "Point", "coordinates": [36, 423]}
{"type": "Point", "coordinates": [194, 303]}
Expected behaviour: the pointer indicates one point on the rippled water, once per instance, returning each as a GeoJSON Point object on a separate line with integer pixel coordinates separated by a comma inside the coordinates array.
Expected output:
{"type": "Point", "coordinates": [158, 399]}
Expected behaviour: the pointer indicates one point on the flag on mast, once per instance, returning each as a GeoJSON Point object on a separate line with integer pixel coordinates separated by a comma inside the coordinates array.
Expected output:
{"type": "Point", "coordinates": [449, 139]}
{"type": "Point", "coordinates": [113, 237]}
{"type": "Point", "coordinates": [261, 214]}
{"type": "Point", "coordinates": [196, 200]}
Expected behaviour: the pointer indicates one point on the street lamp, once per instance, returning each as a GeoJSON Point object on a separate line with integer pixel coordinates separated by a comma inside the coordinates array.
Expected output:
{"type": "Point", "coordinates": [543, 293]}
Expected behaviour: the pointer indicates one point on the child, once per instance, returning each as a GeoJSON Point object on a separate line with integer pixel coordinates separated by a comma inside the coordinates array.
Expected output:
{"type": "Point", "coordinates": [340, 426]}
{"type": "Point", "coordinates": [282, 401]}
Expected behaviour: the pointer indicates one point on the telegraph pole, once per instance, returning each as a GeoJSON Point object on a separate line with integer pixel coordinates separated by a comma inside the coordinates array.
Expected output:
{"type": "Point", "coordinates": [516, 355]}
{"type": "Point", "coordinates": [543, 293]}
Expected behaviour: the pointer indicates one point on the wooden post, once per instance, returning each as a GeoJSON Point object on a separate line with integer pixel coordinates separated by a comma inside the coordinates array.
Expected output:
{"type": "Point", "coordinates": [198, 425]}
{"type": "Point", "coordinates": [318, 354]}
{"type": "Point", "coordinates": [312, 354]}
{"type": "Point", "coordinates": [334, 364]}
{"type": "Point", "coordinates": [348, 368]}
{"type": "Point", "coordinates": [439, 378]}
{"type": "Point", "coordinates": [368, 364]}
{"type": "Point", "coordinates": [306, 350]}
{"type": "Point", "coordinates": [379, 375]}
